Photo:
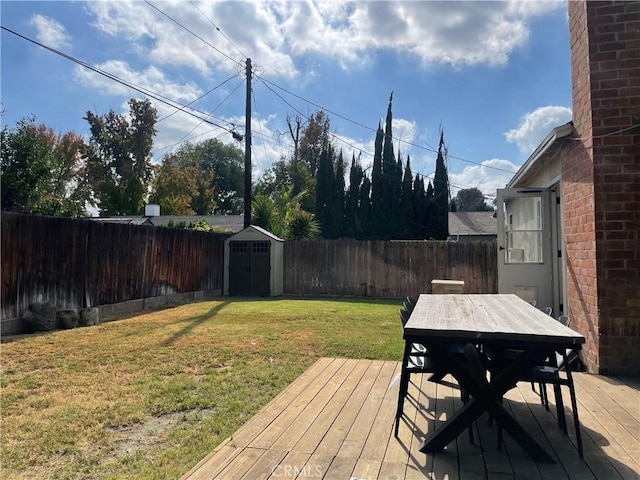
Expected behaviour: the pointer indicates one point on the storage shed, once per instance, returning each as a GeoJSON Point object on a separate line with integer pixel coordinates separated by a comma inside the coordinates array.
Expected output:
{"type": "Point", "coordinates": [253, 263]}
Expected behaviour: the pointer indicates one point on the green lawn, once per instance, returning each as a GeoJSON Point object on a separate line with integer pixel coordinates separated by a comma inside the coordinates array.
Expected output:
{"type": "Point", "coordinates": [151, 395]}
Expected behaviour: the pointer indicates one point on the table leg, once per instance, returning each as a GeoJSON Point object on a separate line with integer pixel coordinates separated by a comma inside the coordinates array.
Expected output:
{"type": "Point", "coordinates": [485, 397]}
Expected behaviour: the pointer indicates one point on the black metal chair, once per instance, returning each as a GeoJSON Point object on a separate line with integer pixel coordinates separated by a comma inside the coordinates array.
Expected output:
{"type": "Point", "coordinates": [416, 359]}
{"type": "Point", "coordinates": [556, 371]}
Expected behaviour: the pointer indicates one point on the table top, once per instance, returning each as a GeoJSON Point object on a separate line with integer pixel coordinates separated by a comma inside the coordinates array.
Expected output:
{"type": "Point", "coordinates": [486, 318]}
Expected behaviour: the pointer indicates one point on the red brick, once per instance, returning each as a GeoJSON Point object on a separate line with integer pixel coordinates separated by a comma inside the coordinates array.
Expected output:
{"type": "Point", "coordinates": [628, 17]}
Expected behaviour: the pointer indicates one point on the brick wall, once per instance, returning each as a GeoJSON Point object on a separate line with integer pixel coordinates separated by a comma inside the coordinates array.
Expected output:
{"type": "Point", "coordinates": [601, 182]}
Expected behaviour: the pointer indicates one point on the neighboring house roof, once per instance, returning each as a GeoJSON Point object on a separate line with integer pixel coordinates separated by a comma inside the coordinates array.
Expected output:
{"type": "Point", "coordinates": [544, 154]}
{"type": "Point", "coordinates": [472, 223]}
{"type": "Point", "coordinates": [229, 223]}
{"type": "Point", "coordinates": [123, 220]}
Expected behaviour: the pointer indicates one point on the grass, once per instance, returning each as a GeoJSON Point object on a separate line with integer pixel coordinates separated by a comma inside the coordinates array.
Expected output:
{"type": "Point", "coordinates": [151, 395]}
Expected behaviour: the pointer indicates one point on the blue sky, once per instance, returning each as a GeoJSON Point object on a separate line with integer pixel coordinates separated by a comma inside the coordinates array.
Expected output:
{"type": "Point", "coordinates": [494, 75]}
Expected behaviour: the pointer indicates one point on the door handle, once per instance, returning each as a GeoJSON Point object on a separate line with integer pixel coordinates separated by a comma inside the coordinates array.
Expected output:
{"type": "Point", "coordinates": [501, 248]}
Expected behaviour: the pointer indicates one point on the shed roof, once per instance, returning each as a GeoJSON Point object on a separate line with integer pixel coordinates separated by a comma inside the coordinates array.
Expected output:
{"type": "Point", "coordinates": [255, 229]}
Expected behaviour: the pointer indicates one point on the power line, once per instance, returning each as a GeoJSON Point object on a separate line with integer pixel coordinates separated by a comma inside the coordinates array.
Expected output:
{"type": "Point", "coordinates": [616, 132]}
{"type": "Point", "coordinates": [169, 147]}
{"type": "Point", "coordinates": [194, 34]}
{"type": "Point", "coordinates": [186, 136]}
{"type": "Point", "coordinates": [336, 137]}
{"type": "Point", "coordinates": [431, 149]}
{"type": "Point", "coordinates": [199, 98]}
{"type": "Point", "coordinates": [355, 147]}
{"type": "Point", "coordinates": [218, 29]}
{"type": "Point", "coordinates": [156, 96]}
{"type": "Point", "coordinates": [253, 96]}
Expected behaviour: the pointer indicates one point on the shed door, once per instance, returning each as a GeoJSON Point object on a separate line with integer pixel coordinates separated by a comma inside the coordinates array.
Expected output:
{"type": "Point", "coordinates": [525, 254]}
{"type": "Point", "coordinates": [250, 268]}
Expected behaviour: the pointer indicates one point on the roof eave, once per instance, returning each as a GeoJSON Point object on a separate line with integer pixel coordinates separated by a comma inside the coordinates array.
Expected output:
{"type": "Point", "coordinates": [558, 133]}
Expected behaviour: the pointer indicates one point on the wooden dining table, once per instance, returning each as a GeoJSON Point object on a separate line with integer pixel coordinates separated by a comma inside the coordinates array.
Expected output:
{"type": "Point", "coordinates": [478, 323]}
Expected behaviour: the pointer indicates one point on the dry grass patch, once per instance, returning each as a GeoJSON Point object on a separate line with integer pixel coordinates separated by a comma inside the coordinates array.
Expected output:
{"type": "Point", "coordinates": [149, 396]}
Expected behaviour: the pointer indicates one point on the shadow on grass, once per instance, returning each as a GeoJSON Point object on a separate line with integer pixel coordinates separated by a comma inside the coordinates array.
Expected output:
{"type": "Point", "coordinates": [195, 322]}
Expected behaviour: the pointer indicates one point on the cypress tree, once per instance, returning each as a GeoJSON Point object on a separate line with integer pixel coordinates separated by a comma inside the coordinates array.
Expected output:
{"type": "Point", "coordinates": [418, 201]}
{"type": "Point", "coordinates": [406, 201]}
{"type": "Point", "coordinates": [364, 209]}
{"type": "Point", "coordinates": [324, 190]}
{"type": "Point", "coordinates": [337, 200]}
{"type": "Point", "coordinates": [352, 197]}
{"type": "Point", "coordinates": [427, 219]}
{"type": "Point", "coordinates": [391, 181]}
{"type": "Point", "coordinates": [377, 188]}
{"type": "Point", "coordinates": [441, 196]}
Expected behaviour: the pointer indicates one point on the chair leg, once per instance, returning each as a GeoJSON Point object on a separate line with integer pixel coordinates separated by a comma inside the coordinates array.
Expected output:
{"type": "Point", "coordinates": [464, 396]}
{"type": "Point", "coordinates": [562, 420]}
{"type": "Point", "coordinates": [404, 386]}
{"type": "Point", "coordinates": [574, 407]}
{"type": "Point", "coordinates": [576, 421]}
{"type": "Point", "coordinates": [402, 393]}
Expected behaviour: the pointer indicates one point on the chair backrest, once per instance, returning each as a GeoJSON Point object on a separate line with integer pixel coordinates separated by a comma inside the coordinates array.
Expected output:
{"type": "Point", "coordinates": [404, 316]}
{"type": "Point", "coordinates": [408, 306]}
{"type": "Point", "coordinates": [533, 303]}
{"type": "Point", "coordinates": [564, 319]}
{"type": "Point", "coordinates": [548, 310]}
{"type": "Point", "coordinates": [410, 303]}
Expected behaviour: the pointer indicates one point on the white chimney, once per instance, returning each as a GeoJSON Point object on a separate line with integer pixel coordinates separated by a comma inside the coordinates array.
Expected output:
{"type": "Point", "coordinates": [152, 210]}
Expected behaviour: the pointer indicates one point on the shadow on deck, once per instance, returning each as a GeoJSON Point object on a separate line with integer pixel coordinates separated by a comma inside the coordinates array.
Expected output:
{"type": "Point", "coordinates": [336, 421]}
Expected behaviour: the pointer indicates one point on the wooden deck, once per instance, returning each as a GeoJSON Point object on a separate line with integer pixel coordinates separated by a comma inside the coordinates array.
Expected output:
{"type": "Point", "coordinates": [336, 422]}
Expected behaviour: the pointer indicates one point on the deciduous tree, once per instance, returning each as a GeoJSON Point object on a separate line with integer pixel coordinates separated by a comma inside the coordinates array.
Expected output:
{"type": "Point", "coordinates": [174, 188]}
{"type": "Point", "coordinates": [118, 158]}
{"type": "Point", "coordinates": [470, 200]}
{"type": "Point", "coordinates": [42, 172]}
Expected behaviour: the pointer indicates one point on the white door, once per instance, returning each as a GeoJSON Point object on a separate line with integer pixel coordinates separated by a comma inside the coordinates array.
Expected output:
{"type": "Point", "coordinates": [526, 258]}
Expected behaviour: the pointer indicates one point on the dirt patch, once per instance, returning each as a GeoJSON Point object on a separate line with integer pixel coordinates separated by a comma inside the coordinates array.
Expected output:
{"type": "Point", "coordinates": [136, 437]}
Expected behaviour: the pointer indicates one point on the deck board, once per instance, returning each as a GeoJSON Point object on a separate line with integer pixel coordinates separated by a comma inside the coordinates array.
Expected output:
{"type": "Point", "coordinates": [337, 419]}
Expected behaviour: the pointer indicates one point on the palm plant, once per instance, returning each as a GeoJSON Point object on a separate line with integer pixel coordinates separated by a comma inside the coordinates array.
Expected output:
{"type": "Point", "coordinates": [282, 215]}
{"type": "Point", "coordinates": [302, 226]}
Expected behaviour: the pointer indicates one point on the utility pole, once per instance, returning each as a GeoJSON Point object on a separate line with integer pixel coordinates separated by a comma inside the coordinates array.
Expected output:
{"type": "Point", "coordinates": [247, 150]}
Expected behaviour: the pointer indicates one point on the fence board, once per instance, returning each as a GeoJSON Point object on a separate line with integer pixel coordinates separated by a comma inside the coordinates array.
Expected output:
{"type": "Point", "coordinates": [386, 269]}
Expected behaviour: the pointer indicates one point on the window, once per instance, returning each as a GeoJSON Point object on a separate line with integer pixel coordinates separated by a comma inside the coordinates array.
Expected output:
{"type": "Point", "coordinates": [239, 247]}
{"type": "Point", "coordinates": [523, 230]}
{"type": "Point", "coordinates": [261, 247]}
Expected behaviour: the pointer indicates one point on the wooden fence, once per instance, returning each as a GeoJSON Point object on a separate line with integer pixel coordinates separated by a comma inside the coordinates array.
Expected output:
{"type": "Point", "coordinates": [83, 263]}
{"type": "Point", "coordinates": [386, 269]}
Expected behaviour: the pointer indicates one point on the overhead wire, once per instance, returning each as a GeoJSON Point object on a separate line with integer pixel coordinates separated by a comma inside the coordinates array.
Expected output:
{"type": "Point", "coordinates": [430, 149]}
{"type": "Point", "coordinates": [199, 98]}
{"type": "Point", "coordinates": [218, 29]}
{"type": "Point", "coordinates": [185, 137]}
{"type": "Point", "coordinates": [266, 156]}
{"type": "Point", "coordinates": [154, 95]}
{"type": "Point", "coordinates": [616, 132]}
{"type": "Point", "coordinates": [227, 56]}
{"type": "Point", "coordinates": [337, 137]}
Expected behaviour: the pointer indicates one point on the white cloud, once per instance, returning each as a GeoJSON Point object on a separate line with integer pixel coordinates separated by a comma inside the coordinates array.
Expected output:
{"type": "Point", "coordinates": [50, 32]}
{"type": "Point", "coordinates": [151, 79]}
{"type": "Point", "coordinates": [535, 126]}
{"type": "Point", "coordinates": [276, 33]}
{"type": "Point", "coordinates": [455, 33]}
{"type": "Point", "coordinates": [485, 177]}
